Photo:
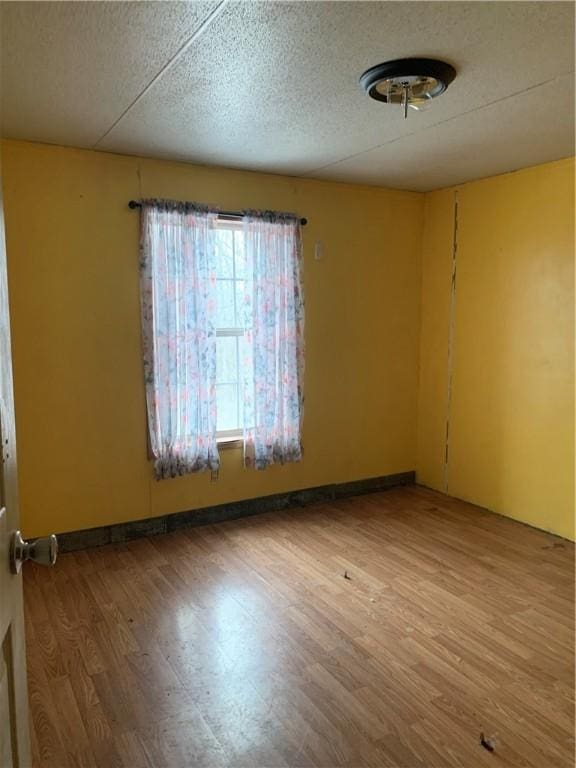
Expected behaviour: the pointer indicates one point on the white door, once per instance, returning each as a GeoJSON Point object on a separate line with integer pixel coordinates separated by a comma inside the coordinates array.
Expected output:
{"type": "Point", "coordinates": [14, 738]}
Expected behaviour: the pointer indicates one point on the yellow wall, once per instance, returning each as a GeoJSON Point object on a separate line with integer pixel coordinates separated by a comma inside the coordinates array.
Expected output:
{"type": "Point", "coordinates": [72, 251]}
{"type": "Point", "coordinates": [511, 433]}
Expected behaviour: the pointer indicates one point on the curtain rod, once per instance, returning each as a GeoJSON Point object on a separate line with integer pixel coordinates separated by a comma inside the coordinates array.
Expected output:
{"type": "Point", "coordinates": [228, 214]}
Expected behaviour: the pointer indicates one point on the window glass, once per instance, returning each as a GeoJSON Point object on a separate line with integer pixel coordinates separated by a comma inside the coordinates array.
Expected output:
{"type": "Point", "coordinates": [225, 252]}
{"type": "Point", "coordinates": [230, 302]}
{"type": "Point", "coordinates": [225, 311]}
{"type": "Point", "coordinates": [227, 407]}
{"type": "Point", "coordinates": [227, 359]}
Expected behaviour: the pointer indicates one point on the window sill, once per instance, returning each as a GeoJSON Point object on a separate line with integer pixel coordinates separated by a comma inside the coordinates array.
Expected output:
{"type": "Point", "coordinates": [229, 442]}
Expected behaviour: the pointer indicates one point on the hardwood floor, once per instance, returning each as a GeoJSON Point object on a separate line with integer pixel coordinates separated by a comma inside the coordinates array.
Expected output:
{"type": "Point", "coordinates": [243, 644]}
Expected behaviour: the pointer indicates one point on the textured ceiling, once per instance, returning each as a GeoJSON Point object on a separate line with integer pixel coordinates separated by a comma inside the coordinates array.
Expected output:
{"type": "Point", "coordinates": [273, 86]}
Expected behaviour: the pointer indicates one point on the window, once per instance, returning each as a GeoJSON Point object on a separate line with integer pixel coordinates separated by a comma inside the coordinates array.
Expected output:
{"type": "Point", "coordinates": [222, 335]}
{"type": "Point", "coordinates": [230, 325]}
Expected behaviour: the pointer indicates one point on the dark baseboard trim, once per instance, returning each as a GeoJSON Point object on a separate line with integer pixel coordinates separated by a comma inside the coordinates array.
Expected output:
{"type": "Point", "coordinates": [136, 529]}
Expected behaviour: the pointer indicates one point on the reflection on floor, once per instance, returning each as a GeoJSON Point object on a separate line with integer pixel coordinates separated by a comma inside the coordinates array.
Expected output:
{"type": "Point", "coordinates": [244, 645]}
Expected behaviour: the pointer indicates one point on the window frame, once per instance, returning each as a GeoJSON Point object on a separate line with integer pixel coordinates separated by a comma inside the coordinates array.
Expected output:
{"type": "Point", "coordinates": [231, 437]}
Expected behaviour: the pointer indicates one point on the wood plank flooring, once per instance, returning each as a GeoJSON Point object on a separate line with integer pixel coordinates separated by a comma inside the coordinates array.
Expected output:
{"type": "Point", "coordinates": [243, 644]}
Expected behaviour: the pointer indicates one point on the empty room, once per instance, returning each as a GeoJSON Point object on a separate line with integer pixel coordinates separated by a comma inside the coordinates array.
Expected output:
{"type": "Point", "coordinates": [287, 384]}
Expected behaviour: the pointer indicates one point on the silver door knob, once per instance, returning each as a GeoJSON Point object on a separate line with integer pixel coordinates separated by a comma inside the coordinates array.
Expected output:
{"type": "Point", "coordinates": [43, 550]}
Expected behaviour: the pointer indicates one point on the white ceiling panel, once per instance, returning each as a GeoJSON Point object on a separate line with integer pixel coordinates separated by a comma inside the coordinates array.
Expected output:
{"type": "Point", "coordinates": [273, 86]}
{"type": "Point", "coordinates": [69, 69]}
{"type": "Point", "coordinates": [526, 130]}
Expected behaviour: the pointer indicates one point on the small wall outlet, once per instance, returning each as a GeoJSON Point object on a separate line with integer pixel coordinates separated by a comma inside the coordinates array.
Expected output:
{"type": "Point", "coordinates": [318, 250]}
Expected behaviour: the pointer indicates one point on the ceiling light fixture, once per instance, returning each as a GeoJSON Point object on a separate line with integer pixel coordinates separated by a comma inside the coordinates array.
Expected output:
{"type": "Point", "coordinates": [409, 82]}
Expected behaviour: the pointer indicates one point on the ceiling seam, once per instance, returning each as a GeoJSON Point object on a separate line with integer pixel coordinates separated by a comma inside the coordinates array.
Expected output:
{"type": "Point", "coordinates": [435, 125]}
{"type": "Point", "coordinates": [183, 48]}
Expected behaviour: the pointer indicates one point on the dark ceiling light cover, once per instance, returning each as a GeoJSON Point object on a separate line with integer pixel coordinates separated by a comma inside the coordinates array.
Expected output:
{"type": "Point", "coordinates": [409, 82]}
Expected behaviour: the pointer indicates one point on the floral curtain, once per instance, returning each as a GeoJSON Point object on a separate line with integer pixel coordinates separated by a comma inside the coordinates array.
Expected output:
{"type": "Point", "coordinates": [273, 345]}
{"type": "Point", "coordinates": [179, 340]}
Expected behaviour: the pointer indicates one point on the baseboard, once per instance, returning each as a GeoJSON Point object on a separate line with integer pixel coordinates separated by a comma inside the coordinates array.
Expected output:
{"type": "Point", "coordinates": [112, 534]}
